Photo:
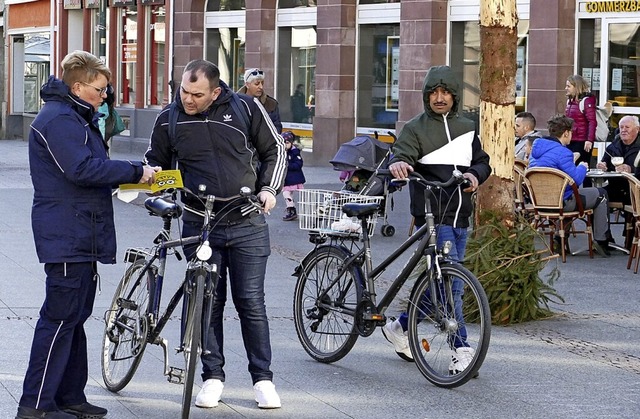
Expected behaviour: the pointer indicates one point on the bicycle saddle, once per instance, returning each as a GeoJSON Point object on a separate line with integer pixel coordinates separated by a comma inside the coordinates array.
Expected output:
{"type": "Point", "coordinates": [354, 209]}
{"type": "Point", "coordinates": [158, 206]}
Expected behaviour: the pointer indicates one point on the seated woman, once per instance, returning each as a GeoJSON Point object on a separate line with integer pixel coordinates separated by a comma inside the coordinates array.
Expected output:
{"type": "Point", "coordinates": [551, 151]}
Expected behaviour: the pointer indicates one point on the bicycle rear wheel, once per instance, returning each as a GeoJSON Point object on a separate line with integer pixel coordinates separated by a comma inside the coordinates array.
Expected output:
{"type": "Point", "coordinates": [126, 327]}
{"type": "Point", "coordinates": [438, 308]}
{"type": "Point", "coordinates": [191, 340]}
{"type": "Point", "coordinates": [324, 313]}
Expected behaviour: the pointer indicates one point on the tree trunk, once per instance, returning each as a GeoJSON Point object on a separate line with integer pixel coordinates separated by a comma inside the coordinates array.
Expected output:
{"type": "Point", "coordinates": [498, 44]}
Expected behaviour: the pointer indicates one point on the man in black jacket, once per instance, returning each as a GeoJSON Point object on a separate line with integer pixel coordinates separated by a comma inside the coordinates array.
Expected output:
{"type": "Point", "coordinates": [219, 142]}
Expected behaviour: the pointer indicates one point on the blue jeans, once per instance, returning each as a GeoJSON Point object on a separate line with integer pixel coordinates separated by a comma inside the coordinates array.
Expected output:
{"type": "Point", "coordinates": [240, 251]}
{"type": "Point", "coordinates": [458, 237]}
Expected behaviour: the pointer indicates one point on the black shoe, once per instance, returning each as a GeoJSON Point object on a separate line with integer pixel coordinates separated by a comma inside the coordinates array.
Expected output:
{"type": "Point", "coordinates": [31, 413]}
{"type": "Point", "coordinates": [602, 248]}
{"type": "Point", "coordinates": [290, 215]}
{"type": "Point", "coordinates": [557, 246]}
{"type": "Point", "coordinates": [85, 411]}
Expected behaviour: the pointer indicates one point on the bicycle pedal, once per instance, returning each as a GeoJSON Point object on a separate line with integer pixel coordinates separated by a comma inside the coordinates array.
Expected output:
{"type": "Point", "coordinates": [176, 375]}
{"type": "Point", "coordinates": [374, 317]}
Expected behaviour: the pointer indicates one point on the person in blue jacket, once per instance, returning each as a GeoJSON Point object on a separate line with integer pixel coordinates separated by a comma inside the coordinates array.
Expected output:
{"type": "Point", "coordinates": [73, 228]}
{"type": "Point", "coordinates": [552, 151]}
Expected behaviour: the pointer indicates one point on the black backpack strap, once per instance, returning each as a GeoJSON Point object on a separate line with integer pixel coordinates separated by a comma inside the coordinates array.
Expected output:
{"type": "Point", "coordinates": [173, 123]}
{"type": "Point", "coordinates": [238, 109]}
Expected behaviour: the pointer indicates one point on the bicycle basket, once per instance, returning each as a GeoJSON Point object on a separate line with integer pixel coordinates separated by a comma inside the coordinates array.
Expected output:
{"type": "Point", "coordinates": [321, 210]}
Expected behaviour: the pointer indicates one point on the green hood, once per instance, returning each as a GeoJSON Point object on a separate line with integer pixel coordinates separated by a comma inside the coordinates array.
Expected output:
{"type": "Point", "coordinates": [440, 76]}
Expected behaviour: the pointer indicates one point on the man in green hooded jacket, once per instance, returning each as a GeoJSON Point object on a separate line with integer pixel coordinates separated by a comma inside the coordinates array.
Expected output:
{"type": "Point", "coordinates": [435, 143]}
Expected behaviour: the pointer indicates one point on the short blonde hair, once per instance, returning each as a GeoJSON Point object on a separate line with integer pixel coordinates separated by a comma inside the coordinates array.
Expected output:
{"type": "Point", "coordinates": [82, 66]}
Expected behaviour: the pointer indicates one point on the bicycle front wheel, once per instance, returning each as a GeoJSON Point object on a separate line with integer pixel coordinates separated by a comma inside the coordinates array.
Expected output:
{"type": "Point", "coordinates": [324, 304]}
{"type": "Point", "coordinates": [126, 327]}
{"type": "Point", "coordinates": [191, 340]}
{"type": "Point", "coordinates": [448, 350]}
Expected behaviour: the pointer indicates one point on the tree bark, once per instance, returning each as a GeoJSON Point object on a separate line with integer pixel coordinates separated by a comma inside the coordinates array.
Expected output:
{"type": "Point", "coordinates": [498, 46]}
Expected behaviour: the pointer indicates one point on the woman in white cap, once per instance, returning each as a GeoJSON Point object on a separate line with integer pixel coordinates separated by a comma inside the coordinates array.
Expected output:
{"type": "Point", "coordinates": [254, 86]}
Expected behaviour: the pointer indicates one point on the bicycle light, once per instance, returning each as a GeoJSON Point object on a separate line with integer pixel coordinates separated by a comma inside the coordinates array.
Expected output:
{"type": "Point", "coordinates": [204, 251]}
{"type": "Point", "coordinates": [446, 247]}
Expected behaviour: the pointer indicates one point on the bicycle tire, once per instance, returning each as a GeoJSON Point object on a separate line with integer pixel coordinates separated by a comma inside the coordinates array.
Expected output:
{"type": "Point", "coordinates": [326, 329]}
{"type": "Point", "coordinates": [191, 340]}
{"type": "Point", "coordinates": [126, 329]}
{"type": "Point", "coordinates": [432, 340]}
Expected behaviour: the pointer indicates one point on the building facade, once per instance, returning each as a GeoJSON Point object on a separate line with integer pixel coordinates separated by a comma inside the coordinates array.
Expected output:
{"type": "Point", "coordinates": [339, 68]}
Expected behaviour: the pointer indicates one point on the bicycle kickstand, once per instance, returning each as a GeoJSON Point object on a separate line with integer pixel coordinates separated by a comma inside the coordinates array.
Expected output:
{"type": "Point", "coordinates": [174, 375]}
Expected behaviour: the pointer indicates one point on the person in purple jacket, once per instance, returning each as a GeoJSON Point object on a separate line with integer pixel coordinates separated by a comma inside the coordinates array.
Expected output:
{"type": "Point", "coordinates": [581, 107]}
{"type": "Point", "coordinates": [551, 151]}
{"type": "Point", "coordinates": [73, 229]}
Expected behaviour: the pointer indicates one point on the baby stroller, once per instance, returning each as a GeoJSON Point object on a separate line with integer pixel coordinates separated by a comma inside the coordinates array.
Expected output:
{"type": "Point", "coordinates": [360, 159]}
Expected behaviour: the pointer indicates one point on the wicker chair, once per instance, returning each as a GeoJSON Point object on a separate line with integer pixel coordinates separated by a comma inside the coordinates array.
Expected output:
{"type": "Point", "coordinates": [522, 198]}
{"type": "Point", "coordinates": [634, 209]}
{"type": "Point", "coordinates": [547, 186]}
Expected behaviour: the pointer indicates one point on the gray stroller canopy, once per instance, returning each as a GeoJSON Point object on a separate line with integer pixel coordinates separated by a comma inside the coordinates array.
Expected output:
{"type": "Point", "coordinates": [363, 152]}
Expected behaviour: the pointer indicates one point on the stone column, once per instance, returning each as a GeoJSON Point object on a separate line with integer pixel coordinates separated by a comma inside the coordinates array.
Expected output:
{"type": "Point", "coordinates": [423, 43]}
{"type": "Point", "coordinates": [188, 38]}
{"type": "Point", "coordinates": [260, 45]}
{"type": "Point", "coordinates": [551, 56]}
{"type": "Point", "coordinates": [334, 121]}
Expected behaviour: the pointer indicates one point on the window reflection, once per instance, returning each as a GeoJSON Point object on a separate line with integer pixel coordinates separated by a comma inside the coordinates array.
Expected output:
{"type": "Point", "coordinates": [225, 48]}
{"type": "Point", "coordinates": [378, 76]}
{"type": "Point", "coordinates": [624, 60]}
{"type": "Point", "coordinates": [36, 69]}
{"type": "Point", "coordinates": [224, 5]}
{"type": "Point", "coordinates": [287, 4]}
{"type": "Point", "coordinates": [129, 48]}
{"type": "Point", "coordinates": [157, 83]}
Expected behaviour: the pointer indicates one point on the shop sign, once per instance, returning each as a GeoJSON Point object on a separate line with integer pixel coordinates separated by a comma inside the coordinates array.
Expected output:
{"type": "Point", "coordinates": [91, 4]}
{"type": "Point", "coordinates": [72, 4]}
{"type": "Point", "coordinates": [122, 3]}
{"type": "Point", "coordinates": [619, 6]}
{"type": "Point", "coordinates": [129, 53]}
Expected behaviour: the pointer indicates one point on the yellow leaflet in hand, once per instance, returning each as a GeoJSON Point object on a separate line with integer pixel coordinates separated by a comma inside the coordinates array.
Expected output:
{"type": "Point", "coordinates": [165, 179]}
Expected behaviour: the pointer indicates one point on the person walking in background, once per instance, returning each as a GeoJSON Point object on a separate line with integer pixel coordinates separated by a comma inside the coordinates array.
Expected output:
{"type": "Point", "coordinates": [214, 147]}
{"type": "Point", "coordinates": [552, 151]}
{"type": "Point", "coordinates": [295, 177]}
{"type": "Point", "coordinates": [110, 122]}
{"type": "Point", "coordinates": [73, 229]}
{"type": "Point", "coordinates": [526, 133]}
{"type": "Point", "coordinates": [434, 144]}
{"type": "Point", "coordinates": [584, 117]}
{"type": "Point", "coordinates": [254, 86]}
{"type": "Point", "coordinates": [299, 111]}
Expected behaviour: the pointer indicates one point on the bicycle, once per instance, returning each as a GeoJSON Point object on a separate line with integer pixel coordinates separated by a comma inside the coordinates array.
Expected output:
{"type": "Point", "coordinates": [335, 295]}
{"type": "Point", "coordinates": [134, 319]}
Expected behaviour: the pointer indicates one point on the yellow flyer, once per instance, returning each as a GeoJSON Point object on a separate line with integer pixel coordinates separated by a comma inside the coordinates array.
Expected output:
{"type": "Point", "coordinates": [165, 179]}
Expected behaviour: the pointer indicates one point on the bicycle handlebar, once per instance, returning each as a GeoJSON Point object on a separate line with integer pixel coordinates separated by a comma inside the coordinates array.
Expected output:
{"type": "Point", "coordinates": [457, 178]}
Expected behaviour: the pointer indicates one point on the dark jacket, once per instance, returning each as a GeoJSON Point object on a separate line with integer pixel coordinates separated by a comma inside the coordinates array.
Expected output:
{"type": "Point", "coordinates": [294, 169]}
{"type": "Point", "coordinates": [437, 144]}
{"type": "Point", "coordinates": [214, 149]}
{"type": "Point", "coordinates": [584, 123]}
{"type": "Point", "coordinates": [619, 149]}
{"type": "Point", "coordinates": [271, 105]}
{"type": "Point", "coordinates": [520, 148]}
{"type": "Point", "coordinates": [72, 214]}
{"type": "Point", "coordinates": [549, 152]}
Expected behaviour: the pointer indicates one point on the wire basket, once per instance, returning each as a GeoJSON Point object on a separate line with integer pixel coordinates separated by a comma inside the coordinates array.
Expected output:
{"type": "Point", "coordinates": [321, 210]}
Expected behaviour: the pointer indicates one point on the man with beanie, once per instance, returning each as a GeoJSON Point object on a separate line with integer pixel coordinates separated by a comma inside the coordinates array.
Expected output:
{"type": "Point", "coordinates": [254, 86]}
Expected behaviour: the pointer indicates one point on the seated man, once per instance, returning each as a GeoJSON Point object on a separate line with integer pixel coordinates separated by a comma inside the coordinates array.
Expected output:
{"type": "Point", "coordinates": [525, 134]}
{"type": "Point", "coordinates": [552, 151]}
{"type": "Point", "coordinates": [625, 145]}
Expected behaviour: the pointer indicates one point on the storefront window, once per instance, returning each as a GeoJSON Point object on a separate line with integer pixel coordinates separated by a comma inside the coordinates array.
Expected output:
{"type": "Point", "coordinates": [624, 63]}
{"type": "Point", "coordinates": [225, 48]}
{"type": "Point", "coordinates": [157, 83]}
{"type": "Point", "coordinates": [224, 5]}
{"type": "Point", "coordinates": [36, 69]}
{"type": "Point", "coordinates": [465, 61]}
{"type": "Point", "coordinates": [129, 52]}
{"type": "Point", "coordinates": [99, 26]}
{"type": "Point", "coordinates": [589, 52]}
{"type": "Point", "coordinates": [378, 61]}
{"type": "Point", "coordinates": [288, 4]}
{"type": "Point", "coordinates": [297, 74]}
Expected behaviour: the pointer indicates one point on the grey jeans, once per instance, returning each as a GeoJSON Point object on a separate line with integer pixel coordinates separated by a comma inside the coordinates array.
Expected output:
{"type": "Point", "coordinates": [596, 199]}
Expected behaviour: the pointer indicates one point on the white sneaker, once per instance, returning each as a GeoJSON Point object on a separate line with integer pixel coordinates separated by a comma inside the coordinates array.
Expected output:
{"type": "Point", "coordinates": [266, 395]}
{"type": "Point", "coordinates": [461, 359]}
{"type": "Point", "coordinates": [393, 332]}
{"type": "Point", "coordinates": [210, 393]}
